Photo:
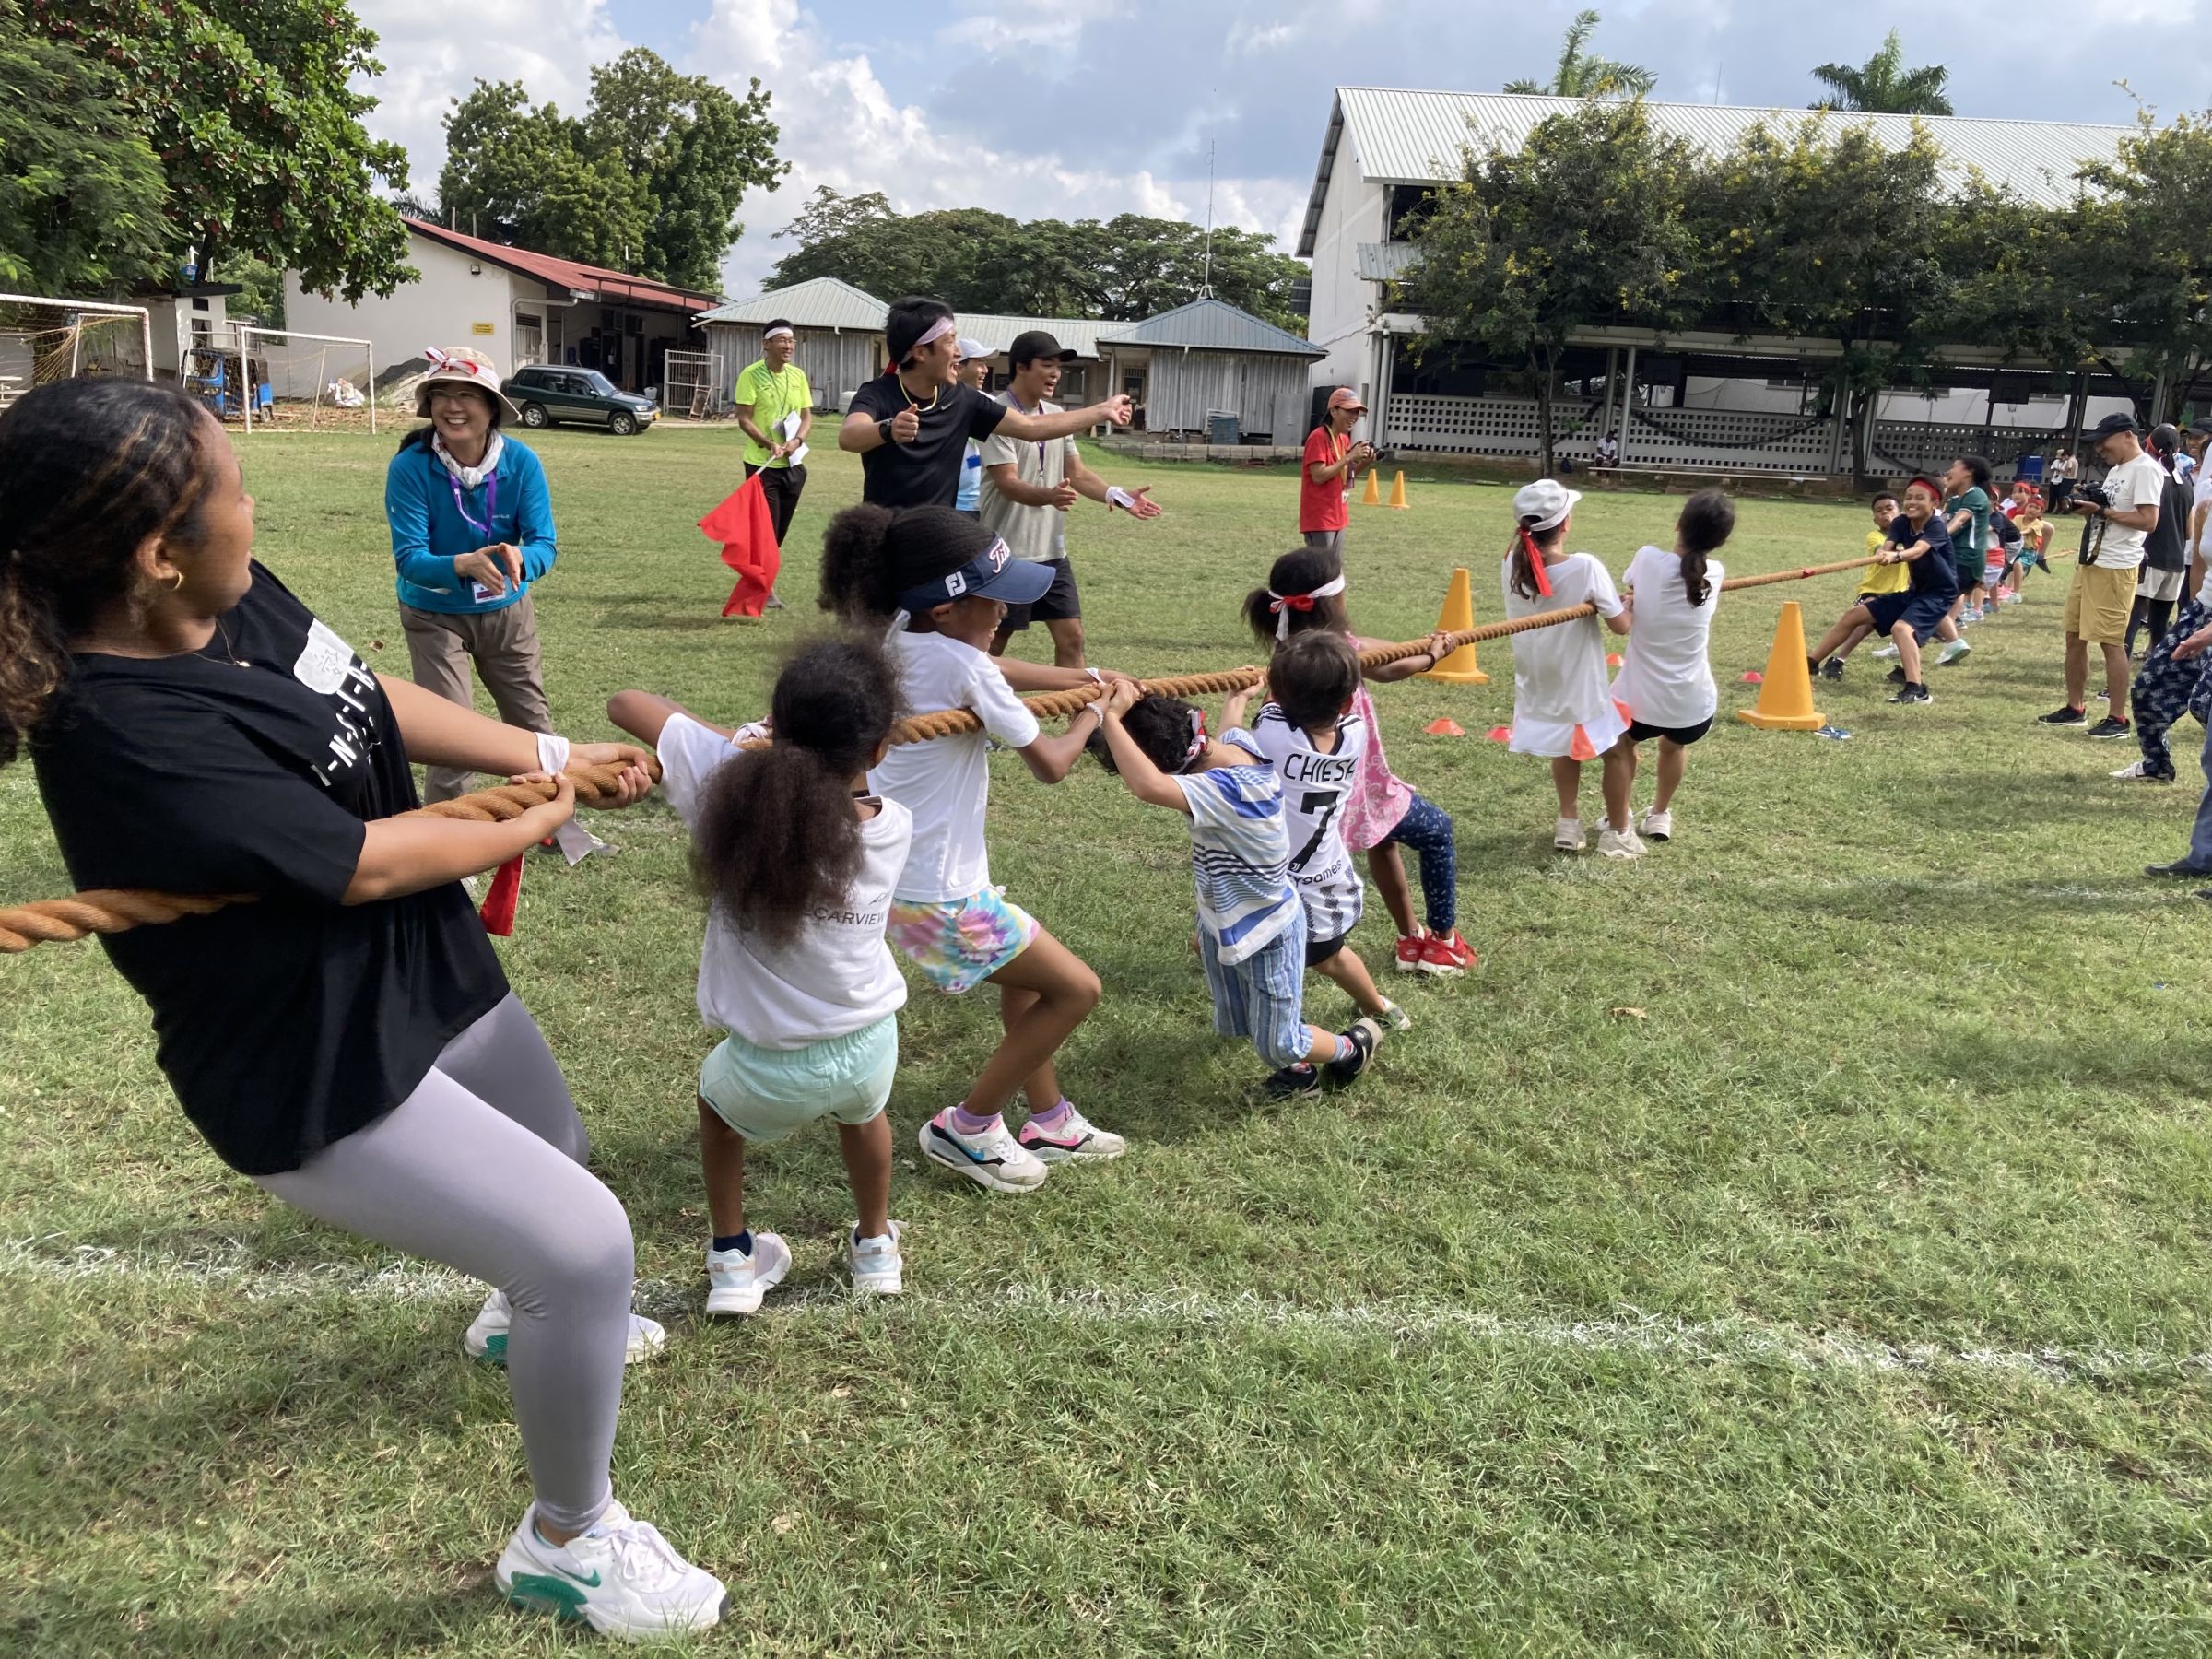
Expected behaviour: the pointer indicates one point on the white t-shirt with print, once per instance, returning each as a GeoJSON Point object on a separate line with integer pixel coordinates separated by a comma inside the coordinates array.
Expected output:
{"type": "Point", "coordinates": [836, 976]}
{"type": "Point", "coordinates": [946, 784]}
{"type": "Point", "coordinates": [1315, 789]}
{"type": "Point", "coordinates": [2140, 482]}
{"type": "Point", "coordinates": [1559, 679]}
{"type": "Point", "coordinates": [1666, 670]}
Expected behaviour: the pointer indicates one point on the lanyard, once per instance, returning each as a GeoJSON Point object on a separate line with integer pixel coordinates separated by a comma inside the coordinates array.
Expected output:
{"type": "Point", "coordinates": [491, 503]}
{"type": "Point", "coordinates": [1014, 403]}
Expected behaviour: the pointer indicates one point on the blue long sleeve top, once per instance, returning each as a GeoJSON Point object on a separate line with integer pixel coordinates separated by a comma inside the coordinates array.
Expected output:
{"type": "Point", "coordinates": [429, 530]}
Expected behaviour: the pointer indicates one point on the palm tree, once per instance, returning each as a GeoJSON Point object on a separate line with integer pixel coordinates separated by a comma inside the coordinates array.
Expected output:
{"type": "Point", "coordinates": [1583, 76]}
{"type": "Point", "coordinates": [1883, 86]}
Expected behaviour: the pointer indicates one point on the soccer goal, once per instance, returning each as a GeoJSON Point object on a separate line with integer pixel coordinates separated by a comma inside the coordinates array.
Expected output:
{"type": "Point", "coordinates": [688, 390]}
{"type": "Point", "coordinates": [44, 338]}
{"type": "Point", "coordinates": [305, 383]}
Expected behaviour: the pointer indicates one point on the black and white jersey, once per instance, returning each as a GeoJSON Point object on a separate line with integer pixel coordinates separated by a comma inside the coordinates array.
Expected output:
{"type": "Point", "coordinates": [1316, 788]}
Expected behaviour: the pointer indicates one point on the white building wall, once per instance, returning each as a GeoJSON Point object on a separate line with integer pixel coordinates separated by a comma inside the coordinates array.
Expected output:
{"type": "Point", "coordinates": [445, 307]}
{"type": "Point", "coordinates": [1354, 212]}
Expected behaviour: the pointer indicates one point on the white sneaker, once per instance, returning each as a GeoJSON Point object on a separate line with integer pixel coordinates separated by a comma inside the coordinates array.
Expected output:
{"type": "Point", "coordinates": [2141, 769]}
{"type": "Point", "coordinates": [877, 1267]}
{"type": "Point", "coordinates": [1884, 650]}
{"type": "Point", "coordinates": [993, 1158]}
{"type": "Point", "coordinates": [1957, 650]}
{"type": "Point", "coordinates": [1655, 825]}
{"type": "Point", "coordinates": [485, 1337]}
{"type": "Point", "coordinates": [620, 1576]}
{"type": "Point", "coordinates": [1619, 843]}
{"type": "Point", "coordinates": [1394, 1016]}
{"type": "Point", "coordinates": [1077, 1140]}
{"type": "Point", "coordinates": [1567, 834]}
{"type": "Point", "coordinates": [737, 1282]}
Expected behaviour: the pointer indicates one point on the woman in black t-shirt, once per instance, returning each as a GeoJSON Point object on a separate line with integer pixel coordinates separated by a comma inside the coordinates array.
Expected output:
{"type": "Point", "coordinates": [348, 1040]}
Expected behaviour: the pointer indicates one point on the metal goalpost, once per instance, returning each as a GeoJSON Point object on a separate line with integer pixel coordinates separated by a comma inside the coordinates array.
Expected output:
{"type": "Point", "coordinates": [69, 323]}
{"type": "Point", "coordinates": [247, 333]}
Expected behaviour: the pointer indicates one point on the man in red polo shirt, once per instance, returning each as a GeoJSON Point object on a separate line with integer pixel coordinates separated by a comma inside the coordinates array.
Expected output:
{"type": "Point", "coordinates": [1330, 462]}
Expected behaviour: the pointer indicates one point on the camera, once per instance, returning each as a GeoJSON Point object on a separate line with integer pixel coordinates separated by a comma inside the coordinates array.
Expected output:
{"type": "Point", "coordinates": [2092, 492]}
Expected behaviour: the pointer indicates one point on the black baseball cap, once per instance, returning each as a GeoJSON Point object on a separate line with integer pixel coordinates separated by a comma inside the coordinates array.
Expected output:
{"type": "Point", "coordinates": [2111, 425]}
{"type": "Point", "coordinates": [1034, 344]}
{"type": "Point", "coordinates": [2201, 426]}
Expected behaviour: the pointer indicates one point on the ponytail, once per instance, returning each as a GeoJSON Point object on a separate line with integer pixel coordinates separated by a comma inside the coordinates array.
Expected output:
{"type": "Point", "coordinates": [1529, 579]}
{"type": "Point", "coordinates": [857, 586]}
{"type": "Point", "coordinates": [777, 835]}
{"type": "Point", "coordinates": [1708, 520]}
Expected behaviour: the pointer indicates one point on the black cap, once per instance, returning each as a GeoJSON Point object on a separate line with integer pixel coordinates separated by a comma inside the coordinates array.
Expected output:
{"type": "Point", "coordinates": [2111, 425]}
{"type": "Point", "coordinates": [1034, 344]}
{"type": "Point", "coordinates": [2201, 426]}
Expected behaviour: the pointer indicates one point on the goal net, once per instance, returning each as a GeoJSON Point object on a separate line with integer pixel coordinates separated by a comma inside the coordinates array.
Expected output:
{"type": "Point", "coordinates": [286, 382]}
{"type": "Point", "coordinates": [689, 390]}
{"type": "Point", "coordinates": [44, 338]}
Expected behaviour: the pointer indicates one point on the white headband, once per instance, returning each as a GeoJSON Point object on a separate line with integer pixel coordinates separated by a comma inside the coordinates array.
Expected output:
{"type": "Point", "coordinates": [784, 331]}
{"type": "Point", "coordinates": [1282, 604]}
{"type": "Point", "coordinates": [938, 331]}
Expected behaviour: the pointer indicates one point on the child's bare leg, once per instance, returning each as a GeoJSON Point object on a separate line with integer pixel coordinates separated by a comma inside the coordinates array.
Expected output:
{"type": "Point", "coordinates": [722, 1158]}
{"type": "Point", "coordinates": [1852, 641]}
{"type": "Point", "coordinates": [1672, 758]}
{"type": "Point", "coordinates": [868, 1150]}
{"type": "Point", "coordinates": [1323, 1046]}
{"type": "Point", "coordinates": [1907, 651]}
{"type": "Point", "coordinates": [1060, 992]}
{"type": "Point", "coordinates": [1346, 970]}
{"type": "Point", "coordinates": [1846, 624]}
{"type": "Point", "coordinates": [1619, 781]}
{"type": "Point", "coordinates": [1567, 783]}
{"type": "Point", "coordinates": [1386, 866]}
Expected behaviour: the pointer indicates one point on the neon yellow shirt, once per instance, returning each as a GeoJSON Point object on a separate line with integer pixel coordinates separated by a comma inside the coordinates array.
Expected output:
{"type": "Point", "coordinates": [1883, 579]}
{"type": "Point", "coordinates": [772, 396]}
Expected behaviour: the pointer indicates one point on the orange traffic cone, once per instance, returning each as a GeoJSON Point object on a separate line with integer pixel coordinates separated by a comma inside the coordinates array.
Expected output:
{"type": "Point", "coordinates": [1785, 694]}
{"type": "Point", "coordinates": [1459, 668]}
{"type": "Point", "coordinates": [1397, 492]}
{"type": "Point", "coordinates": [1373, 497]}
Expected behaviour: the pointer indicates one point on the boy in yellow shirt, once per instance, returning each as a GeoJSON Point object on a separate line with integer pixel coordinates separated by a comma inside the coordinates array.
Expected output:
{"type": "Point", "coordinates": [1872, 580]}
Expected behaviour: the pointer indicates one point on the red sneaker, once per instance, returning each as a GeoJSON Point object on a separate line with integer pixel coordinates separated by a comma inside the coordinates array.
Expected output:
{"type": "Point", "coordinates": [1447, 955]}
{"type": "Point", "coordinates": [1409, 953]}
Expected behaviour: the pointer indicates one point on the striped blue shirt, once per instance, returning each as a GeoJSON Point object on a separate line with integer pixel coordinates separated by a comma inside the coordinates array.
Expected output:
{"type": "Point", "coordinates": [1240, 853]}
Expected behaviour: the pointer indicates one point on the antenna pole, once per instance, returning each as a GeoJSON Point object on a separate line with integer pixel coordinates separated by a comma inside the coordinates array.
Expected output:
{"type": "Point", "coordinates": [1206, 283]}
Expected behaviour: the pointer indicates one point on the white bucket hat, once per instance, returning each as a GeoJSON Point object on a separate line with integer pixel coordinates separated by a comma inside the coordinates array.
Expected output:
{"type": "Point", "coordinates": [462, 367]}
{"type": "Point", "coordinates": [1544, 503]}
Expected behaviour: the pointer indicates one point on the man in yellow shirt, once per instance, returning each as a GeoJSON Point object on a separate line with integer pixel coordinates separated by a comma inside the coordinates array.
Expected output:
{"type": "Point", "coordinates": [776, 408]}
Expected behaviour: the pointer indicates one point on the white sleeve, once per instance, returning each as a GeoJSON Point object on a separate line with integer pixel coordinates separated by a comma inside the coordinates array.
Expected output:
{"type": "Point", "coordinates": [2146, 485]}
{"type": "Point", "coordinates": [690, 754]}
{"type": "Point", "coordinates": [1202, 795]}
{"type": "Point", "coordinates": [1602, 594]}
{"type": "Point", "coordinates": [1003, 715]}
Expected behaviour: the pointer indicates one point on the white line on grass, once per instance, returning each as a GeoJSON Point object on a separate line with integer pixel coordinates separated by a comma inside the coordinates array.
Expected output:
{"type": "Point", "coordinates": [234, 1267]}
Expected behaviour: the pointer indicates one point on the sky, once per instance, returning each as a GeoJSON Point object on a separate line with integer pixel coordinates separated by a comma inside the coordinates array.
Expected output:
{"type": "Point", "coordinates": [1075, 109]}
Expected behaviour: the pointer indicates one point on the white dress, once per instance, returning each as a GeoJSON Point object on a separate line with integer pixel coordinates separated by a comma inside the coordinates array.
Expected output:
{"type": "Point", "coordinates": [1563, 703]}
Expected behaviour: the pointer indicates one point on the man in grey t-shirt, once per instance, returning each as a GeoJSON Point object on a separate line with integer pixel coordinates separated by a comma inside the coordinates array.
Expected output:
{"type": "Point", "coordinates": [1028, 488]}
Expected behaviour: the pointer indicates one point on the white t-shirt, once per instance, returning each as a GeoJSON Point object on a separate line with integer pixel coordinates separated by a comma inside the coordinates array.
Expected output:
{"type": "Point", "coordinates": [1666, 672]}
{"type": "Point", "coordinates": [1315, 787]}
{"type": "Point", "coordinates": [1037, 533]}
{"type": "Point", "coordinates": [836, 975]}
{"type": "Point", "coordinates": [946, 784]}
{"type": "Point", "coordinates": [1560, 672]}
{"type": "Point", "coordinates": [2140, 482]}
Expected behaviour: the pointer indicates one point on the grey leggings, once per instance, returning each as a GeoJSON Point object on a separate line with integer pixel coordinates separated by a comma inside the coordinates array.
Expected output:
{"type": "Point", "coordinates": [482, 1168]}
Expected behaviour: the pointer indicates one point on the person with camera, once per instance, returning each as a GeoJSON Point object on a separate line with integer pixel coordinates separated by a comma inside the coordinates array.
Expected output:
{"type": "Point", "coordinates": [1330, 462]}
{"type": "Point", "coordinates": [2122, 512]}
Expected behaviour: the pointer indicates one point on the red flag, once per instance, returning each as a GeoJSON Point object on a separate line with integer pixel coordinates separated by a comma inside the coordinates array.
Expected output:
{"type": "Point", "coordinates": [746, 531]}
{"type": "Point", "coordinates": [497, 913]}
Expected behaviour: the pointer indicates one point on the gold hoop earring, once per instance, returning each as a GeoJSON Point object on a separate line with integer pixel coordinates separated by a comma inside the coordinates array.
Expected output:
{"type": "Point", "coordinates": [177, 586]}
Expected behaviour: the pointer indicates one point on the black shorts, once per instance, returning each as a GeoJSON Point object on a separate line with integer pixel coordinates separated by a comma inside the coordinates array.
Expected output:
{"type": "Point", "coordinates": [1685, 735]}
{"type": "Point", "coordinates": [1060, 603]}
{"type": "Point", "coordinates": [2061, 491]}
{"type": "Point", "coordinates": [1320, 951]}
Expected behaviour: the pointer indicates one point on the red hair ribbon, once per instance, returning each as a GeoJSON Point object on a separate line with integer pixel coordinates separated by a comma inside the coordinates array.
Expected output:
{"type": "Point", "coordinates": [1198, 734]}
{"type": "Point", "coordinates": [498, 911]}
{"type": "Point", "coordinates": [1535, 562]}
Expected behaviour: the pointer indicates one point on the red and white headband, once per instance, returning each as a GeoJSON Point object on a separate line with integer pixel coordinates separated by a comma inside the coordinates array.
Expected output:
{"type": "Point", "coordinates": [1282, 604]}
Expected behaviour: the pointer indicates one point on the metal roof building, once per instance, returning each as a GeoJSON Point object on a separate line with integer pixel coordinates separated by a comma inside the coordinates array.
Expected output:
{"type": "Point", "coordinates": [820, 302]}
{"type": "Point", "coordinates": [1201, 365]}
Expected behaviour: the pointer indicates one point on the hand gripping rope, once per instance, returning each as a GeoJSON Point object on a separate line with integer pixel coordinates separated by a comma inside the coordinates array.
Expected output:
{"type": "Point", "coordinates": [113, 910]}
{"type": "Point", "coordinates": [117, 910]}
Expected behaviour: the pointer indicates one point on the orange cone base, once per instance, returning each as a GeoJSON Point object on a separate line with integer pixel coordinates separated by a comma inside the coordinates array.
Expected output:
{"type": "Point", "coordinates": [1458, 616]}
{"type": "Point", "coordinates": [1782, 723]}
{"type": "Point", "coordinates": [1456, 676]}
{"type": "Point", "coordinates": [1785, 691]}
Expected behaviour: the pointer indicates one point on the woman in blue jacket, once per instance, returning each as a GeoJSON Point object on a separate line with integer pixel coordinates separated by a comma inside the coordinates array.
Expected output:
{"type": "Point", "coordinates": [472, 528]}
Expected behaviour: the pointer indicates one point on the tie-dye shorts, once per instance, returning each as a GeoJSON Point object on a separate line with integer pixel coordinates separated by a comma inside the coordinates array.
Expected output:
{"type": "Point", "coordinates": [959, 943]}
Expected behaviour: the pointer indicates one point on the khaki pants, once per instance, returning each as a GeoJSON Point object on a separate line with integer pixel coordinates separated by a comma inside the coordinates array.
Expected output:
{"type": "Point", "coordinates": [503, 646]}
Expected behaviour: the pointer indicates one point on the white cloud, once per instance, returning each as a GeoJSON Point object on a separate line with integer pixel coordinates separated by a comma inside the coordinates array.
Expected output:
{"type": "Point", "coordinates": [842, 127]}
{"type": "Point", "coordinates": [1049, 25]}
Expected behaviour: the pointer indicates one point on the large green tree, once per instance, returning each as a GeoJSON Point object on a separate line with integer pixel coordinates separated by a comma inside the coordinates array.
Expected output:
{"type": "Point", "coordinates": [1883, 86]}
{"type": "Point", "coordinates": [648, 179]}
{"type": "Point", "coordinates": [1579, 72]}
{"type": "Point", "coordinates": [1582, 226]}
{"type": "Point", "coordinates": [1124, 268]}
{"type": "Point", "coordinates": [250, 106]}
{"type": "Point", "coordinates": [82, 199]}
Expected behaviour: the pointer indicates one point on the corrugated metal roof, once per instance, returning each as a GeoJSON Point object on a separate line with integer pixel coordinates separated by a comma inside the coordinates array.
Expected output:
{"type": "Point", "coordinates": [1407, 137]}
{"type": "Point", "coordinates": [1385, 261]}
{"type": "Point", "coordinates": [819, 302]}
{"type": "Point", "coordinates": [1078, 334]}
{"type": "Point", "coordinates": [1214, 325]}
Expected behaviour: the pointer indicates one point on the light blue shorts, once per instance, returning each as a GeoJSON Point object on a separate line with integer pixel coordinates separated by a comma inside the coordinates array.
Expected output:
{"type": "Point", "coordinates": [764, 1094]}
{"type": "Point", "coordinates": [1261, 996]}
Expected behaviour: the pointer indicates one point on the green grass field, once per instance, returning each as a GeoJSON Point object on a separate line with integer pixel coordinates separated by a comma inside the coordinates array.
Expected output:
{"type": "Point", "coordinates": [1850, 1296]}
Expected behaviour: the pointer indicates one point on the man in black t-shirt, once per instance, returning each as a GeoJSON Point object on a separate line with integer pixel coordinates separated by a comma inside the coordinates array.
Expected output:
{"type": "Point", "coordinates": [911, 426]}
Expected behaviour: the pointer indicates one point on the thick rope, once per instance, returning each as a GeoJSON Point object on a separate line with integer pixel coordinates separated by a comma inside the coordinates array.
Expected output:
{"type": "Point", "coordinates": [118, 910]}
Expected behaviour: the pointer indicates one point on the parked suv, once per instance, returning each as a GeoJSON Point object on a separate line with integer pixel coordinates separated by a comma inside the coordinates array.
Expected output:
{"type": "Point", "coordinates": [552, 393]}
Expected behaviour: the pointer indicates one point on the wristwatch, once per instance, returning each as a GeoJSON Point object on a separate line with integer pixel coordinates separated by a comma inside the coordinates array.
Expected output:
{"type": "Point", "coordinates": [883, 429]}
